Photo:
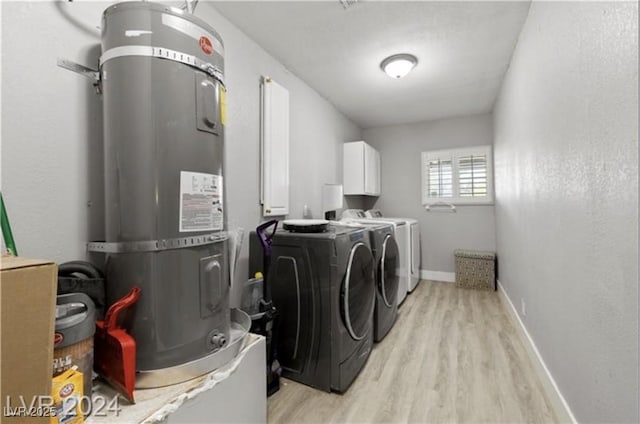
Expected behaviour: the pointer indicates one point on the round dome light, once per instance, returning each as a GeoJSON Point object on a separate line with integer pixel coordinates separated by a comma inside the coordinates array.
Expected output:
{"type": "Point", "coordinates": [399, 65]}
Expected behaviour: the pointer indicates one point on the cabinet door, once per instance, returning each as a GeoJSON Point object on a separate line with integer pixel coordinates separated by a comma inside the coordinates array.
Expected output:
{"type": "Point", "coordinates": [275, 149]}
{"type": "Point", "coordinates": [370, 170]}
{"type": "Point", "coordinates": [376, 190]}
{"type": "Point", "coordinates": [354, 169]}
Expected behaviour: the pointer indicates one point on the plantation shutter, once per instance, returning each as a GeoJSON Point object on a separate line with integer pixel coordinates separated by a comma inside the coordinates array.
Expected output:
{"type": "Point", "coordinates": [438, 175]}
{"type": "Point", "coordinates": [472, 175]}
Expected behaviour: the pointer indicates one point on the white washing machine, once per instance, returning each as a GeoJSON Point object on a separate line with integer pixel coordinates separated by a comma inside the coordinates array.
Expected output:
{"type": "Point", "coordinates": [413, 246]}
{"type": "Point", "coordinates": [402, 235]}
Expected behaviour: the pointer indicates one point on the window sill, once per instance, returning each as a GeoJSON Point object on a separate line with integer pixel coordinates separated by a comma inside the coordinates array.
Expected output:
{"type": "Point", "coordinates": [458, 203]}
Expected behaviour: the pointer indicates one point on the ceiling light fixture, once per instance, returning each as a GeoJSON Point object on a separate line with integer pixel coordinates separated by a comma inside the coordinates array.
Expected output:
{"type": "Point", "coordinates": [399, 65]}
{"type": "Point", "coordinates": [348, 3]}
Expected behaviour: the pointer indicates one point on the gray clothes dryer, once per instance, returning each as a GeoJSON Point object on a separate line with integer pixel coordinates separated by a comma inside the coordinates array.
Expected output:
{"type": "Point", "coordinates": [323, 287]}
{"type": "Point", "coordinates": [386, 259]}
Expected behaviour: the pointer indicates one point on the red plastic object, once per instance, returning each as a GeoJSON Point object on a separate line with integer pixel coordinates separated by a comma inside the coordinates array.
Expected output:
{"type": "Point", "coordinates": [115, 349]}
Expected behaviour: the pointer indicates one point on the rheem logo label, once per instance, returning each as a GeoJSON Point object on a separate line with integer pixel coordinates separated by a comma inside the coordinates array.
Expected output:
{"type": "Point", "coordinates": [205, 45]}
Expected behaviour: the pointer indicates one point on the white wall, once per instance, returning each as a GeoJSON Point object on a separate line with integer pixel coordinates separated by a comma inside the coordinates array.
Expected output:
{"type": "Point", "coordinates": [51, 132]}
{"type": "Point", "coordinates": [471, 227]}
{"type": "Point", "coordinates": [52, 129]}
{"type": "Point", "coordinates": [566, 166]}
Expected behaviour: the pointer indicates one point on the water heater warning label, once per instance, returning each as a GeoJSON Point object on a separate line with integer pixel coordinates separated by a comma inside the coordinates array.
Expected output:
{"type": "Point", "coordinates": [200, 202]}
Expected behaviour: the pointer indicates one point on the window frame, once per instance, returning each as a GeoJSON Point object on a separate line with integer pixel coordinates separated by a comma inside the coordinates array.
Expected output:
{"type": "Point", "coordinates": [455, 155]}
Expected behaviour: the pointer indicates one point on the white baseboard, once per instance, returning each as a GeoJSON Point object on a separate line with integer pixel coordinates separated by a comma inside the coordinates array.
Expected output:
{"type": "Point", "coordinates": [558, 401]}
{"type": "Point", "coordinates": [447, 277]}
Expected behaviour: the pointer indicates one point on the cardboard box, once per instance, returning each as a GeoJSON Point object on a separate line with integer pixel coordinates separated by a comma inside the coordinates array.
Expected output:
{"type": "Point", "coordinates": [27, 318]}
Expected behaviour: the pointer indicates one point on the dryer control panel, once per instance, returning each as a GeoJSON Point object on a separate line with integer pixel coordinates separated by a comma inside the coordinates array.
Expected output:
{"type": "Point", "coordinates": [374, 213]}
{"type": "Point", "coordinates": [353, 213]}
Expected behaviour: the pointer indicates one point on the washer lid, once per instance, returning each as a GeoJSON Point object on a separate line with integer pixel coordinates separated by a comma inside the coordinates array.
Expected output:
{"type": "Point", "coordinates": [364, 223]}
{"type": "Point", "coordinates": [383, 221]}
{"type": "Point", "coordinates": [306, 225]}
{"type": "Point", "coordinates": [376, 214]}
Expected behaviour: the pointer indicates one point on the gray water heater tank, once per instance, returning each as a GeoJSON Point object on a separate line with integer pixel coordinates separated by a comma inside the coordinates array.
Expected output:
{"type": "Point", "coordinates": [162, 73]}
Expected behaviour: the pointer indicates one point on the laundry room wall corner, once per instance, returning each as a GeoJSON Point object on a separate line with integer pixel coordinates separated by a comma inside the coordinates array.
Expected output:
{"type": "Point", "coordinates": [471, 227]}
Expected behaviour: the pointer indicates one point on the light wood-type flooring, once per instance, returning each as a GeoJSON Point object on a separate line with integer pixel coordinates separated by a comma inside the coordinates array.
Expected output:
{"type": "Point", "coordinates": [453, 356]}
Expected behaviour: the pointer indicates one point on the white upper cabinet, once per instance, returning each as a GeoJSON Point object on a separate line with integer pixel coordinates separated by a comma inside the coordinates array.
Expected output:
{"type": "Point", "coordinates": [361, 169]}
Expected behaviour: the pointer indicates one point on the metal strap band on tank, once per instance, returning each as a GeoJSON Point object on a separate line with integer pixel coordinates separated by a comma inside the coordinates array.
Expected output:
{"type": "Point", "coordinates": [163, 53]}
{"type": "Point", "coordinates": [156, 245]}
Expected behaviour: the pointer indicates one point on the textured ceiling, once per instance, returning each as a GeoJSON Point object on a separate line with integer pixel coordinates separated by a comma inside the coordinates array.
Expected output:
{"type": "Point", "coordinates": [463, 48]}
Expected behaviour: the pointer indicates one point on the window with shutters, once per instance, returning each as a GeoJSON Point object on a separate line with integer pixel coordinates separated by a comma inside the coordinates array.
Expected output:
{"type": "Point", "coordinates": [458, 176]}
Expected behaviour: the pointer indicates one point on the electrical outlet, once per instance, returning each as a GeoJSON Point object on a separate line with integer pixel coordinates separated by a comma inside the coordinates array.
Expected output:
{"type": "Point", "coordinates": [523, 307]}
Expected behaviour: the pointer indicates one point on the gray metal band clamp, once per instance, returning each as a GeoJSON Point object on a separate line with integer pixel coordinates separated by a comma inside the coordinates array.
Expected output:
{"type": "Point", "coordinates": [163, 53]}
{"type": "Point", "coordinates": [156, 245]}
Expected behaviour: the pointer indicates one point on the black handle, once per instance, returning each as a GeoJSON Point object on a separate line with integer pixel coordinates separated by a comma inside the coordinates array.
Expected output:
{"type": "Point", "coordinates": [265, 236]}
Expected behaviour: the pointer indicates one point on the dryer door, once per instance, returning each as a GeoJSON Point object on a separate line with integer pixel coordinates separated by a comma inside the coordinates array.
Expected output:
{"type": "Point", "coordinates": [389, 271]}
{"type": "Point", "coordinates": [358, 292]}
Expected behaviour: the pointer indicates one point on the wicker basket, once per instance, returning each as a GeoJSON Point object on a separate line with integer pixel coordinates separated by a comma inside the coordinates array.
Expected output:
{"type": "Point", "coordinates": [475, 269]}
